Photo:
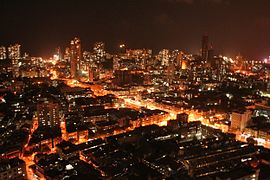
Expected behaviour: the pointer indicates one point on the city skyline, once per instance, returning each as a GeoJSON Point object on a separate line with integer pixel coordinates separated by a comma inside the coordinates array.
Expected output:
{"type": "Point", "coordinates": [233, 26]}
{"type": "Point", "coordinates": [145, 89]}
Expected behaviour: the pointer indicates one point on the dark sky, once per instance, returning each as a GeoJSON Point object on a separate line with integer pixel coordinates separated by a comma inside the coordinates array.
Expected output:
{"type": "Point", "coordinates": [232, 25]}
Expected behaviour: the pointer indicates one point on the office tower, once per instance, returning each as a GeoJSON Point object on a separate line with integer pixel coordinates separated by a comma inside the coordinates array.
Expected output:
{"type": "Point", "coordinates": [14, 53]}
{"type": "Point", "coordinates": [173, 57]}
{"type": "Point", "coordinates": [99, 52]}
{"type": "Point", "coordinates": [86, 57]}
{"type": "Point", "coordinates": [164, 57]}
{"type": "Point", "coordinates": [48, 114]}
{"type": "Point", "coordinates": [204, 48]}
{"type": "Point", "coordinates": [66, 55]}
{"type": "Point", "coordinates": [181, 61]}
{"type": "Point", "coordinates": [88, 61]}
{"type": "Point", "coordinates": [75, 57]}
{"type": "Point", "coordinates": [58, 54]}
{"type": "Point", "coordinates": [3, 53]}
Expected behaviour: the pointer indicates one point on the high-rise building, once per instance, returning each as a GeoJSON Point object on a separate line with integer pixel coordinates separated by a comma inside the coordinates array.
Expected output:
{"type": "Point", "coordinates": [75, 57]}
{"type": "Point", "coordinates": [66, 56]}
{"type": "Point", "coordinates": [99, 51]}
{"type": "Point", "coordinates": [58, 55]}
{"type": "Point", "coordinates": [240, 120]}
{"type": "Point", "coordinates": [204, 48]}
{"type": "Point", "coordinates": [173, 57]}
{"type": "Point", "coordinates": [88, 61]}
{"type": "Point", "coordinates": [14, 53]}
{"type": "Point", "coordinates": [3, 53]}
{"type": "Point", "coordinates": [48, 114]}
{"type": "Point", "coordinates": [210, 57]}
{"type": "Point", "coordinates": [164, 57]}
{"type": "Point", "coordinates": [181, 61]}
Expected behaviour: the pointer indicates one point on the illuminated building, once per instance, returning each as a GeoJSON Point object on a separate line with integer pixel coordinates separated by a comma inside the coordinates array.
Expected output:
{"type": "Point", "coordinates": [48, 114]}
{"type": "Point", "coordinates": [240, 120]}
{"type": "Point", "coordinates": [86, 57]}
{"type": "Point", "coordinates": [204, 48]}
{"type": "Point", "coordinates": [99, 51]}
{"type": "Point", "coordinates": [116, 64]}
{"type": "Point", "coordinates": [181, 61]}
{"type": "Point", "coordinates": [173, 57]}
{"type": "Point", "coordinates": [164, 57]}
{"type": "Point", "coordinates": [240, 62]}
{"type": "Point", "coordinates": [3, 53]}
{"type": "Point", "coordinates": [88, 61]}
{"type": "Point", "coordinates": [37, 61]}
{"type": "Point", "coordinates": [140, 55]}
{"type": "Point", "coordinates": [75, 57]}
{"type": "Point", "coordinates": [58, 55]}
{"type": "Point", "coordinates": [66, 56]}
{"type": "Point", "coordinates": [12, 169]}
{"type": "Point", "coordinates": [5, 67]}
{"type": "Point", "coordinates": [14, 53]}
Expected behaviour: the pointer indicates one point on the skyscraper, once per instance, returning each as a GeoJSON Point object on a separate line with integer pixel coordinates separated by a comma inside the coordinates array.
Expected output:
{"type": "Point", "coordinates": [164, 57]}
{"type": "Point", "coordinates": [75, 57]}
{"type": "Point", "coordinates": [204, 48]}
{"type": "Point", "coordinates": [58, 54]}
{"type": "Point", "coordinates": [179, 59]}
{"type": "Point", "coordinates": [48, 114]}
{"type": "Point", "coordinates": [99, 51]}
{"type": "Point", "coordinates": [3, 53]}
{"type": "Point", "coordinates": [14, 53]}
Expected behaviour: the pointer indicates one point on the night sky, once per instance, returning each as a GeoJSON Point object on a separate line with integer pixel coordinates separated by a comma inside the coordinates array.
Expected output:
{"type": "Point", "coordinates": [232, 25]}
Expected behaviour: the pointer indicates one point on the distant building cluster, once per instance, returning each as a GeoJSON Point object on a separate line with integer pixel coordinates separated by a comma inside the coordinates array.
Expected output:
{"type": "Point", "coordinates": [87, 113]}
